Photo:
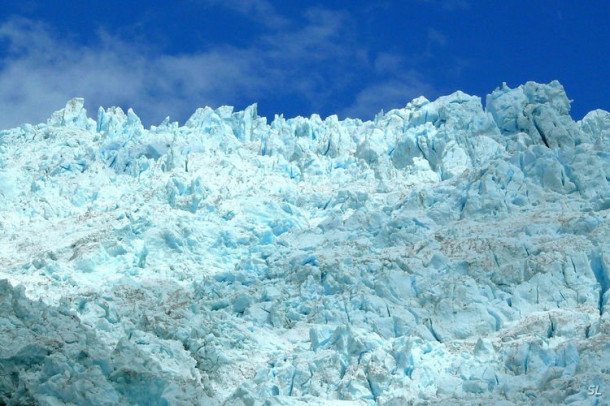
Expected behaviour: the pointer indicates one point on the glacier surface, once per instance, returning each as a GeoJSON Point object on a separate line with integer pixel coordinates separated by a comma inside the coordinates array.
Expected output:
{"type": "Point", "coordinates": [443, 253]}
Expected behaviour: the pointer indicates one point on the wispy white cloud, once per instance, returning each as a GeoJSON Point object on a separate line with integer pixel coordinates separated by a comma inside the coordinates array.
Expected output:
{"type": "Point", "coordinates": [388, 63]}
{"type": "Point", "coordinates": [261, 11]}
{"type": "Point", "coordinates": [436, 40]}
{"type": "Point", "coordinates": [455, 5]}
{"type": "Point", "coordinates": [391, 93]}
{"type": "Point", "coordinates": [317, 58]}
{"type": "Point", "coordinates": [42, 71]}
{"type": "Point", "coordinates": [436, 37]}
{"type": "Point", "coordinates": [449, 5]}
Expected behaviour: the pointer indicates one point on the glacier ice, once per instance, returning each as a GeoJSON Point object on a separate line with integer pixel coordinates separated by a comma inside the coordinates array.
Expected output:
{"type": "Point", "coordinates": [443, 253]}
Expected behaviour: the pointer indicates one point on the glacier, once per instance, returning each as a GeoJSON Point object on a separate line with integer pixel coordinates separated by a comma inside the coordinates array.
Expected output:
{"type": "Point", "coordinates": [443, 253]}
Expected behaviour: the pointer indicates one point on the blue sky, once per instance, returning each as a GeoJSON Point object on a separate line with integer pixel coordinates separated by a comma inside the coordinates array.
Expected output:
{"type": "Point", "coordinates": [292, 57]}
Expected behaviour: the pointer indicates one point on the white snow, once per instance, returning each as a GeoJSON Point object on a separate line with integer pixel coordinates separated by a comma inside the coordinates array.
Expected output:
{"type": "Point", "coordinates": [444, 253]}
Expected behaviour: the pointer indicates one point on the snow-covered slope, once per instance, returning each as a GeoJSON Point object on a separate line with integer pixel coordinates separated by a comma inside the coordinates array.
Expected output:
{"type": "Point", "coordinates": [444, 253]}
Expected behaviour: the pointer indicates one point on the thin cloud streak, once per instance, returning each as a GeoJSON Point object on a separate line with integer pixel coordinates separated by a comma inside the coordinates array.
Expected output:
{"type": "Point", "coordinates": [260, 11]}
{"type": "Point", "coordinates": [449, 5]}
{"type": "Point", "coordinates": [389, 94]}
